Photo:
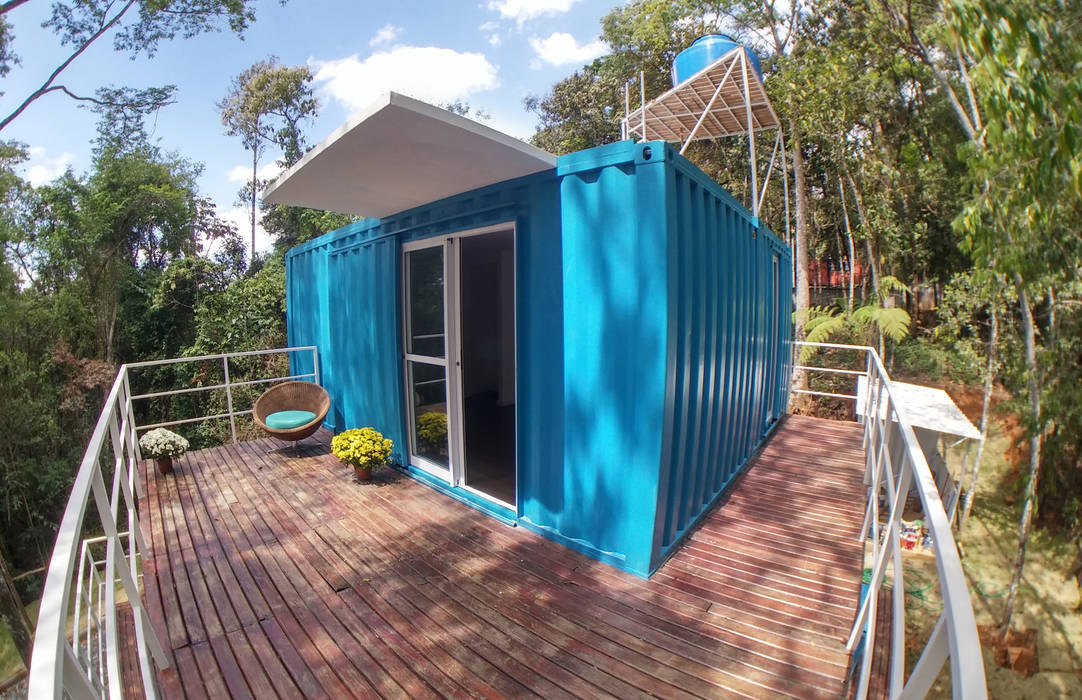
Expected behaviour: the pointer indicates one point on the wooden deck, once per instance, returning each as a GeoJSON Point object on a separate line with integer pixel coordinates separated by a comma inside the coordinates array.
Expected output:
{"type": "Point", "coordinates": [274, 574]}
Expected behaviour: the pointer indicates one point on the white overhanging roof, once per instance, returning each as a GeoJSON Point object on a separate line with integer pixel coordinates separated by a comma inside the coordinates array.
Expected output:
{"type": "Point", "coordinates": [401, 153]}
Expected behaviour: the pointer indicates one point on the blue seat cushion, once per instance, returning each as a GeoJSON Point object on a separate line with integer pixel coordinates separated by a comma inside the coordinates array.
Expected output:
{"type": "Point", "coordinates": [287, 420]}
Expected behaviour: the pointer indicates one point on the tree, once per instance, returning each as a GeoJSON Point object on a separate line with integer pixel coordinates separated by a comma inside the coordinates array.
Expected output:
{"type": "Point", "coordinates": [138, 210]}
{"type": "Point", "coordinates": [137, 27]}
{"type": "Point", "coordinates": [644, 37]}
{"type": "Point", "coordinates": [1021, 222]}
{"type": "Point", "coordinates": [265, 106]}
{"type": "Point", "coordinates": [580, 111]}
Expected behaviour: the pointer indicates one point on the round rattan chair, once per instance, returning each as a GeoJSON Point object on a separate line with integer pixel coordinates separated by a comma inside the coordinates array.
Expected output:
{"type": "Point", "coordinates": [292, 396]}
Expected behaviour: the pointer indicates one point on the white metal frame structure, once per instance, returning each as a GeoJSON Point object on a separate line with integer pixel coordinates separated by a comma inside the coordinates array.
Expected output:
{"type": "Point", "coordinates": [88, 665]}
{"type": "Point", "coordinates": [455, 473]}
{"type": "Point", "coordinates": [727, 98]}
{"type": "Point", "coordinates": [895, 464]}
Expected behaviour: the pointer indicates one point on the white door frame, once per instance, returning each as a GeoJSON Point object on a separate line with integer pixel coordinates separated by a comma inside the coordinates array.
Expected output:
{"type": "Point", "coordinates": [455, 474]}
{"type": "Point", "coordinates": [444, 473]}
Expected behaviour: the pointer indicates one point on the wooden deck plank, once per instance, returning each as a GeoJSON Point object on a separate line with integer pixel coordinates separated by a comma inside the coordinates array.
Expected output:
{"type": "Point", "coordinates": [625, 627]}
{"type": "Point", "coordinates": [275, 574]}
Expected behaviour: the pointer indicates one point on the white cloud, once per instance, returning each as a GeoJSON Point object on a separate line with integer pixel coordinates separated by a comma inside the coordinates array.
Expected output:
{"type": "Point", "coordinates": [241, 217]}
{"type": "Point", "coordinates": [560, 48]}
{"type": "Point", "coordinates": [41, 169]}
{"type": "Point", "coordinates": [243, 173]}
{"type": "Point", "coordinates": [386, 34]}
{"type": "Point", "coordinates": [425, 72]}
{"type": "Point", "coordinates": [491, 30]}
{"type": "Point", "coordinates": [522, 10]}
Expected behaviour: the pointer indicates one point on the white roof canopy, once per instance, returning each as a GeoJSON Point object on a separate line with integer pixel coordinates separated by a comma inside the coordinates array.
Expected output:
{"type": "Point", "coordinates": [399, 154]}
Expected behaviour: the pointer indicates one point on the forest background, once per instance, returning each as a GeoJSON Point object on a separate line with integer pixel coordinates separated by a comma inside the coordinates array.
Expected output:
{"type": "Point", "coordinates": [936, 144]}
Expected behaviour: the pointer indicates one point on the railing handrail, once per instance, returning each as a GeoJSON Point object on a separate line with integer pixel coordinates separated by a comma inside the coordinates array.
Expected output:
{"type": "Point", "coordinates": [56, 667]}
{"type": "Point", "coordinates": [955, 633]}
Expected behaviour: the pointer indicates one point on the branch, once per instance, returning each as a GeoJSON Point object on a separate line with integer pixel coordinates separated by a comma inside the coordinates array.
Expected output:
{"type": "Point", "coordinates": [138, 105]}
{"type": "Point", "coordinates": [45, 87]}
{"type": "Point", "coordinates": [969, 91]}
{"type": "Point", "coordinates": [11, 5]}
{"type": "Point", "coordinates": [17, 251]}
{"type": "Point", "coordinates": [963, 118]}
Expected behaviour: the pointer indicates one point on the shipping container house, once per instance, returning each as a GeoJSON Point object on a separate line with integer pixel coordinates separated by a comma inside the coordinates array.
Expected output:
{"type": "Point", "coordinates": [591, 351]}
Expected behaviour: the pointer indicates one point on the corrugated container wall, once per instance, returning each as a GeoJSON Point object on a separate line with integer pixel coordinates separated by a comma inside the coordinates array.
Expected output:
{"type": "Point", "coordinates": [652, 340]}
{"type": "Point", "coordinates": [676, 343]}
{"type": "Point", "coordinates": [730, 308]}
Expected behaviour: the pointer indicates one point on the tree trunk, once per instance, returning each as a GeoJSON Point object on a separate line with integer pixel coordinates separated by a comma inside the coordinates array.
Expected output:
{"type": "Point", "coordinates": [803, 294]}
{"type": "Point", "coordinates": [1033, 381]}
{"type": "Point", "coordinates": [852, 251]}
{"type": "Point", "coordinates": [989, 382]}
{"type": "Point", "coordinates": [255, 176]}
{"type": "Point", "coordinates": [13, 614]}
{"type": "Point", "coordinates": [873, 262]}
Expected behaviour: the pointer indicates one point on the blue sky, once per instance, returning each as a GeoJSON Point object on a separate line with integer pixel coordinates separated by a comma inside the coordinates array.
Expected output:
{"type": "Point", "coordinates": [489, 53]}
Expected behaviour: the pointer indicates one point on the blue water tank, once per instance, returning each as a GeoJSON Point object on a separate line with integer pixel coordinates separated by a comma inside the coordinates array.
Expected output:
{"type": "Point", "coordinates": [704, 51]}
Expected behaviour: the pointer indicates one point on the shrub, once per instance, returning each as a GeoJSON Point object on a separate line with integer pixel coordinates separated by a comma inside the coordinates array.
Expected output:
{"type": "Point", "coordinates": [919, 357]}
{"type": "Point", "coordinates": [362, 447]}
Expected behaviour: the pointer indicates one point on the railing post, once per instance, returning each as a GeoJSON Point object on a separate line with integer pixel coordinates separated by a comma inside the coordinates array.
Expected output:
{"type": "Point", "coordinates": [229, 400]}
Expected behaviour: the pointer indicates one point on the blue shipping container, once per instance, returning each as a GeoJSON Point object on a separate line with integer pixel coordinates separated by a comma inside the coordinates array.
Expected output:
{"type": "Point", "coordinates": [650, 350]}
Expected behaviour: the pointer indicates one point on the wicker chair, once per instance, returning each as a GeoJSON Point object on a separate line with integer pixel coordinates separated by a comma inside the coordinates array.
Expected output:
{"type": "Point", "coordinates": [292, 396]}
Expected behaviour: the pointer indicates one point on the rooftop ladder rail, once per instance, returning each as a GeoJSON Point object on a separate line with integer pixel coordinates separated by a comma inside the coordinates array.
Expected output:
{"type": "Point", "coordinates": [894, 465]}
{"type": "Point", "coordinates": [83, 589]}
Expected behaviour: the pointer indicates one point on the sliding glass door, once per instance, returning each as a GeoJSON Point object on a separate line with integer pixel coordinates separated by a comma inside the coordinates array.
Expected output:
{"type": "Point", "coordinates": [459, 294]}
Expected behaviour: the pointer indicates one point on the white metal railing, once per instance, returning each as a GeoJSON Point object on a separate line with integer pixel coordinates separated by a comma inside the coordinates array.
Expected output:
{"type": "Point", "coordinates": [227, 384]}
{"type": "Point", "coordinates": [88, 664]}
{"type": "Point", "coordinates": [894, 465]}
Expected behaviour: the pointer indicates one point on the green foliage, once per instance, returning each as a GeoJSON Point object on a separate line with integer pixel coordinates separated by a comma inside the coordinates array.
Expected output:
{"type": "Point", "coordinates": [292, 226]}
{"type": "Point", "coordinates": [826, 324]}
{"type": "Point", "coordinates": [136, 26]}
{"type": "Point", "coordinates": [362, 447]}
{"type": "Point", "coordinates": [1021, 223]}
{"type": "Point", "coordinates": [1028, 174]}
{"type": "Point", "coordinates": [893, 322]}
{"type": "Point", "coordinates": [267, 103]}
{"type": "Point", "coordinates": [7, 55]}
{"type": "Point", "coordinates": [247, 315]}
{"type": "Point", "coordinates": [108, 265]}
{"type": "Point", "coordinates": [579, 113]}
{"type": "Point", "coordinates": [920, 357]}
{"type": "Point", "coordinates": [77, 23]}
{"type": "Point", "coordinates": [432, 431]}
{"type": "Point", "coordinates": [121, 116]}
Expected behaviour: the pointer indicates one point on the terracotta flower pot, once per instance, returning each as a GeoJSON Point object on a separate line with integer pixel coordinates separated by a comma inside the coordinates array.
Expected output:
{"type": "Point", "coordinates": [362, 473]}
{"type": "Point", "coordinates": [165, 465]}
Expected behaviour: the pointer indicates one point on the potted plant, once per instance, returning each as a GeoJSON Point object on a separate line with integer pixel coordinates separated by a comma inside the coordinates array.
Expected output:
{"type": "Point", "coordinates": [162, 446]}
{"type": "Point", "coordinates": [364, 448]}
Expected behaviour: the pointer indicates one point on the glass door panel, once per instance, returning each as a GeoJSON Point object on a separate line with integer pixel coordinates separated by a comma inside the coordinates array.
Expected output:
{"type": "Point", "coordinates": [426, 358]}
{"type": "Point", "coordinates": [428, 386]}
{"type": "Point", "coordinates": [424, 272]}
